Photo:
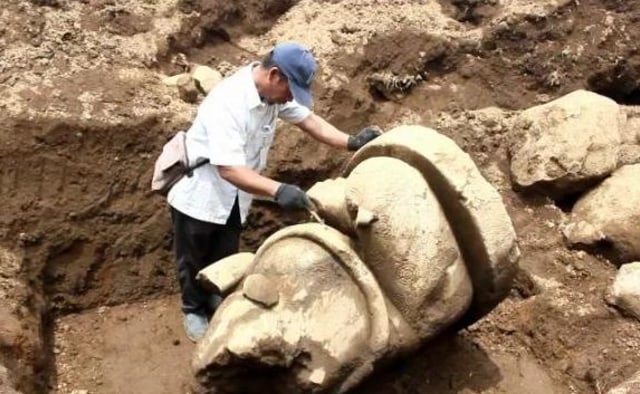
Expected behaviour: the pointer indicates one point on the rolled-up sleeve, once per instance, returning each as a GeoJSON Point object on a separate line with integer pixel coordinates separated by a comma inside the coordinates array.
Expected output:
{"type": "Point", "coordinates": [292, 112]}
{"type": "Point", "coordinates": [225, 132]}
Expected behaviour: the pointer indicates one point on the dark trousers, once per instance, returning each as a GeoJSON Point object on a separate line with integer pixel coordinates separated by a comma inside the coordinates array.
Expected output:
{"type": "Point", "coordinates": [197, 244]}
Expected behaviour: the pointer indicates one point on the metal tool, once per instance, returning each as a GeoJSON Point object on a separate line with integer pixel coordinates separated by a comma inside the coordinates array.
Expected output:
{"type": "Point", "coordinates": [315, 215]}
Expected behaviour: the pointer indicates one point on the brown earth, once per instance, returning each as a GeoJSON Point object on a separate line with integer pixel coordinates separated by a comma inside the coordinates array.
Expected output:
{"type": "Point", "coordinates": [83, 115]}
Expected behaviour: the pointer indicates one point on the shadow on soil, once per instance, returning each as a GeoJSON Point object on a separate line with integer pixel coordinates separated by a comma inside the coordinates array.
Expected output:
{"type": "Point", "coordinates": [449, 364]}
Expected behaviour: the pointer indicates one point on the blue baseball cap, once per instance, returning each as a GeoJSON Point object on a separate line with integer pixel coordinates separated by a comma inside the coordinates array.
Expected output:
{"type": "Point", "coordinates": [299, 66]}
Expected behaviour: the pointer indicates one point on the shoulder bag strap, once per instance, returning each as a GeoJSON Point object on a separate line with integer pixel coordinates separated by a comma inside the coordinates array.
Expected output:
{"type": "Point", "coordinates": [189, 170]}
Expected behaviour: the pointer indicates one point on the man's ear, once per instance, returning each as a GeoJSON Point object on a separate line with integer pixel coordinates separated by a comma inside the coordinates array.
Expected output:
{"type": "Point", "coordinates": [273, 74]}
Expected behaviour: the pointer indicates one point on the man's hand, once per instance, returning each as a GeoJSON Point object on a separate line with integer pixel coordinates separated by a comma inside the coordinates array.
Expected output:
{"type": "Point", "coordinates": [365, 135]}
{"type": "Point", "coordinates": [292, 197]}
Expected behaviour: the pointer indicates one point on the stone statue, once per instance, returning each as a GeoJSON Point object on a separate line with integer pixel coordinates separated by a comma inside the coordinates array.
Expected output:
{"type": "Point", "coordinates": [416, 241]}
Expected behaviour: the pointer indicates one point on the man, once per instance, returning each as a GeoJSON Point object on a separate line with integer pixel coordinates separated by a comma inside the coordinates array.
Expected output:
{"type": "Point", "coordinates": [234, 129]}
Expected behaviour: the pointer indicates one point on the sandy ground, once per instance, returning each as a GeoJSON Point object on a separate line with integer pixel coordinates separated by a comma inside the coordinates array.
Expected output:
{"type": "Point", "coordinates": [129, 348]}
{"type": "Point", "coordinates": [140, 348]}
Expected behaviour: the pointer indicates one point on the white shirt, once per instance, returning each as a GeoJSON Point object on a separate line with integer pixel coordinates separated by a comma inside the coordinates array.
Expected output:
{"type": "Point", "coordinates": [233, 127]}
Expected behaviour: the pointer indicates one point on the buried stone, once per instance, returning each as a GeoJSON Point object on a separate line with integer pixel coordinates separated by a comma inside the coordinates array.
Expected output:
{"type": "Point", "coordinates": [416, 241]}
{"type": "Point", "coordinates": [630, 386]}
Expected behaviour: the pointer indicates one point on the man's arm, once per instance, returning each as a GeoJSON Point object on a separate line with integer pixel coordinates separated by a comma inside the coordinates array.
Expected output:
{"type": "Point", "coordinates": [286, 195]}
{"type": "Point", "coordinates": [323, 131]}
{"type": "Point", "coordinates": [250, 181]}
{"type": "Point", "coordinates": [226, 144]}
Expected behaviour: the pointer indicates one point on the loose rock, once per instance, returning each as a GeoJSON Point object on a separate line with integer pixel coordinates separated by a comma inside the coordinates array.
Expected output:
{"type": "Point", "coordinates": [610, 213]}
{"type": "Point", "coordinates": [563, 146]}
{"type": "Point", "coordinates": [206, 78]}
{"type": "Point", "coordinates": [177, 80]}
{"type": "Point", "coordinates": [625, 292]}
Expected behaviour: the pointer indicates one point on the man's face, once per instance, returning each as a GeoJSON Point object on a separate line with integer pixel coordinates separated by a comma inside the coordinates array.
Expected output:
{"type": "Point", "coordinates": [277, 90]}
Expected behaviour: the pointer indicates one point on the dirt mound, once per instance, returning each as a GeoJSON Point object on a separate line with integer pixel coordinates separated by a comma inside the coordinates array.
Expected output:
{"type": "Point", "coordinates": [84, 111]}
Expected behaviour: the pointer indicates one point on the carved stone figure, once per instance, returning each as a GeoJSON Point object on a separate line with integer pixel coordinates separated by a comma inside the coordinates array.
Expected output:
{"type": "Point", "coordinates": [415, 241]}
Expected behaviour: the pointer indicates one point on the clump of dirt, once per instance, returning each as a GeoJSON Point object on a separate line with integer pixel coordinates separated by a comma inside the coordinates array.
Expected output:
{"type": "Point", "coordinates": [211, 22]}
{"type": "Point", "coordinates": [122, 22]}
{"type": "Point", "coordinates": [51, 3]}
{"type": "Point", "coordinates": [84, 114]}
{"type": "Point", "coordinates": [472, 11]}
{"type": "Point", "coordinates": [620, 81]}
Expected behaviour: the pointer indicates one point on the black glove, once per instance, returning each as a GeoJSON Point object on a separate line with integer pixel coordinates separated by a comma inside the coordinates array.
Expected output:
{"type": "Point", "coordinates": [292, 197]}
{"type": "Point", "coordinates": [365, 135]}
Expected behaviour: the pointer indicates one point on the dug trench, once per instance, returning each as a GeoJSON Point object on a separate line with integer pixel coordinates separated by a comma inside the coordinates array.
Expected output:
{"type": "Point", "coordinates": [95, 247]}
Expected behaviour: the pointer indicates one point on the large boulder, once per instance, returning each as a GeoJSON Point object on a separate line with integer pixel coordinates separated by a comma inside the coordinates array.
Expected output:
{"type": "Point", "coordinates": [565, 145]}
{"type": "Point", "coordinates": [415, 242]}
{"type": "Point", "coordinates": [625, 291]}
{"type": "Point", "coordinates": [630, 149]}
{"type": "Point", "coordinates": [610, 214]}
